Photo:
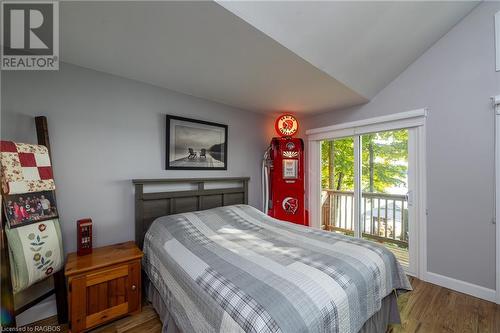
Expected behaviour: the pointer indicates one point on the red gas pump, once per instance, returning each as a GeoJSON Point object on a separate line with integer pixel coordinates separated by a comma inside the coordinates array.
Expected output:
{"type": "Point", "coordinates": [283, 174]}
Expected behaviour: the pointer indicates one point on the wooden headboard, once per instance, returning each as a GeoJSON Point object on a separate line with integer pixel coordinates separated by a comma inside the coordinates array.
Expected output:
{"type": "Point", "coordinates": [183, 195]}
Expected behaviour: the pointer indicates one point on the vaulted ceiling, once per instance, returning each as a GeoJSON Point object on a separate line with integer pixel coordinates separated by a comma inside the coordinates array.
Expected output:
{"type": "Point", "coordinates": [303, 57]}
{"type": "Point", "coordinates": [365, 45]}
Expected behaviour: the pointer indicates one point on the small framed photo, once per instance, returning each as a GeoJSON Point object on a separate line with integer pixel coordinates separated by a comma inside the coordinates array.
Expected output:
{"type": "Point", "coordinates": [195, 144]}
{"type": "Point", "coordinates": [23, 209]}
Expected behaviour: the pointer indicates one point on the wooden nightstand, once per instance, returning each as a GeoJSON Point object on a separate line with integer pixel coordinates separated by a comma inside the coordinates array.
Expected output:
{"type": "Point", "coordinates": [103, 285]}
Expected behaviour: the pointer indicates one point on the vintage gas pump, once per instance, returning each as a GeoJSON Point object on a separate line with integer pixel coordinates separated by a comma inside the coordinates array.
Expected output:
{"type": "Point", "coordinates": [283, 174]}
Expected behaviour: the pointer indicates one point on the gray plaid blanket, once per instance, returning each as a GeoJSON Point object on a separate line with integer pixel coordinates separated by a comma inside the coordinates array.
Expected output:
{"type": "Point", "coordinates": [235, 269]}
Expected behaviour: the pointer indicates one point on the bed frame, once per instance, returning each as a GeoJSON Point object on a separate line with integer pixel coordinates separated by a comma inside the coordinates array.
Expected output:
{"type": "Point", "coordinates": [202, 194]}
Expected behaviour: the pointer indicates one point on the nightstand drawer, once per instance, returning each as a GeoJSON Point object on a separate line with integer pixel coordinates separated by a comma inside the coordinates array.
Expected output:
{"type": "Point", "coordinates": [102, 293]}
{"type": "Point", "coordinates": [107, 276]}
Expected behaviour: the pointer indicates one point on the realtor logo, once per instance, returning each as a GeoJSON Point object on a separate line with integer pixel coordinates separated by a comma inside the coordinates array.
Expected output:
{"type": "Point", "coordinates": [30, 38]}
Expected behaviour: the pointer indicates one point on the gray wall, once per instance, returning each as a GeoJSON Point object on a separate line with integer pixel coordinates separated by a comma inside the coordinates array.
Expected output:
{"type": "Point", "coordinates": [455, 78]}
{"type": "Point", "coordinates": [106, 130]}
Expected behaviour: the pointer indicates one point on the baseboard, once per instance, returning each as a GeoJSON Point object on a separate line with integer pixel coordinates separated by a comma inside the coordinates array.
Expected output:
{"type": "Point", "coordinates": [461, 286]}
{"type": "Point", "coordinates": [45, 309]}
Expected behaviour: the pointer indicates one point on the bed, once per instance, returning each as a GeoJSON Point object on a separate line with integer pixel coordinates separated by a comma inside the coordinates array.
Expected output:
{"type": "Point", "coordinates": [212, 263]}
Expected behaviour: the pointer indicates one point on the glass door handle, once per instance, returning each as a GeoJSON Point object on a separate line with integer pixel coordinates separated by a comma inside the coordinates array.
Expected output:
{"type": "Point", "coordinates": [409, 198]}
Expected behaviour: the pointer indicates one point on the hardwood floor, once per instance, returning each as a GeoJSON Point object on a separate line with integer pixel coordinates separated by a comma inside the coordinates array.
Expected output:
{"type": "Point", "coordinates": [427, 309]}
{"type": "Point", "coordinates": [431, 308]}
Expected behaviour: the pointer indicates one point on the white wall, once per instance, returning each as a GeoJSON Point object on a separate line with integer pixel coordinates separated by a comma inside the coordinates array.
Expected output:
{"type": "Point", "coordinates": [106, 130]}
{"type": "Point", "coordinates": [455, 79]}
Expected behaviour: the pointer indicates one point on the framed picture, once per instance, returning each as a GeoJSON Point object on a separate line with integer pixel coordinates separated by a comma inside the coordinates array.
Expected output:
{"type": "Point", "coordinates": [195, 144]}
{"type": "Point", "coordinates": [23, 209]}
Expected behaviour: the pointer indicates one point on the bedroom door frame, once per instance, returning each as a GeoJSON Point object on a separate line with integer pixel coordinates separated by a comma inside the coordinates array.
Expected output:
{"type": "Point", "coordinates": [414, 121]}
{"type": "Point", "coordinates": [496, 105]}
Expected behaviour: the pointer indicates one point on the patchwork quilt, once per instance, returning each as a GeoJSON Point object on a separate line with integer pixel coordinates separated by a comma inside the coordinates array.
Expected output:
{"type": "Point", "coordinates": [235, 269]}
{"type": "Point", "coordinates": [25, 168]}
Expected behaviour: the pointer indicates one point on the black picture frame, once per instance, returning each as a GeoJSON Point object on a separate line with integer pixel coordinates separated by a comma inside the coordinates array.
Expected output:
{"type": "Point", "coordinates": [195, 155]}
{"type": "Point", "coordinates": [28, 208]}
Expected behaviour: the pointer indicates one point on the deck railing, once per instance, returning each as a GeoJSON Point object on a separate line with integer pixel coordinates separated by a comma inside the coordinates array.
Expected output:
{"type": "Point", "coordinates": [384, 217]}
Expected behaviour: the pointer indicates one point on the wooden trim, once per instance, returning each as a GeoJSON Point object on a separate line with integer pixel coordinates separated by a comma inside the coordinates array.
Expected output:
{"type": "Point", "coordinates": [142, 210]}
{"type": "Point", "coordinates": [461, 286]}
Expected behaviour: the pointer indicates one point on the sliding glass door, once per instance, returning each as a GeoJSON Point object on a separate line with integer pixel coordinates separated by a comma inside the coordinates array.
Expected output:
{"type": "Point", "coordinates": [337, 184]}
{"type": "Point", "coordinates": [384, 204]}
{"type": "Point", "coordinates": [365, 186]}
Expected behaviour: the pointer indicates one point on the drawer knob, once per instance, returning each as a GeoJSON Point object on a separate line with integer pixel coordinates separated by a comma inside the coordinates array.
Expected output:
{"type": "Point", "coordinates": [134, 287]}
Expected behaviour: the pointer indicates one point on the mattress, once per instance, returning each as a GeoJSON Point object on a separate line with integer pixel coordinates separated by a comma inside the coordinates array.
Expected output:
{"type": "Point", "coordinates": [235, 269]}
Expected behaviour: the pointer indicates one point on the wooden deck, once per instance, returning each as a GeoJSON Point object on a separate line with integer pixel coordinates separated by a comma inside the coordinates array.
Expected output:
{"type": "Point", "coordinates": [400, 253]}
